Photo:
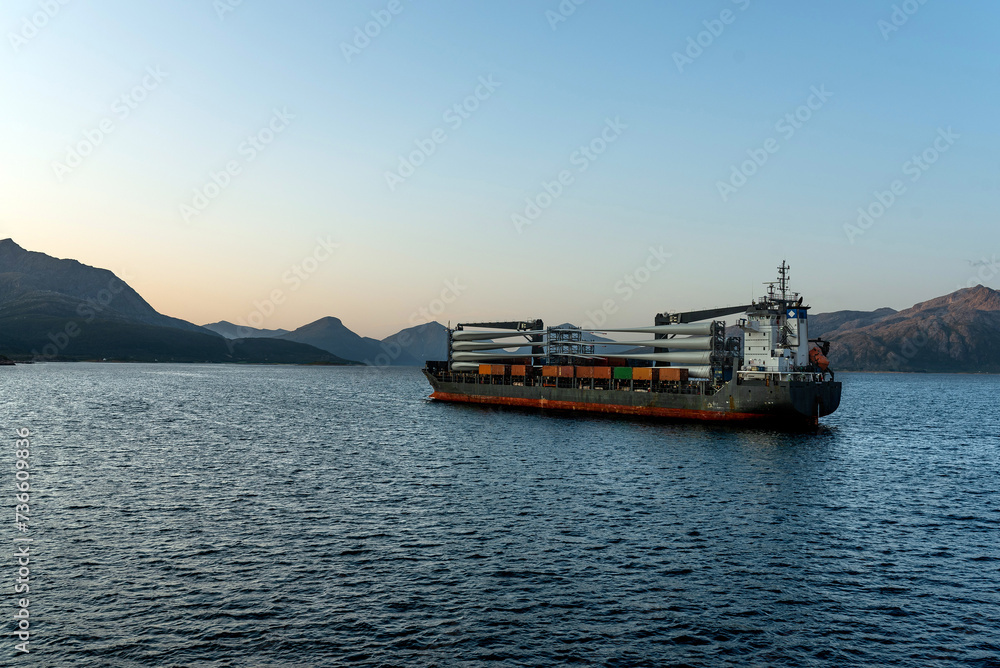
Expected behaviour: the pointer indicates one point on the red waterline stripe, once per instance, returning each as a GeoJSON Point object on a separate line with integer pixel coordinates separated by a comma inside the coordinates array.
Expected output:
{"type": "Point", "coordinates": [654, 411]}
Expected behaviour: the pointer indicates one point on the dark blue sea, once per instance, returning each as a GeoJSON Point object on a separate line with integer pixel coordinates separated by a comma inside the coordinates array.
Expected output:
{"type": "Point", "coordinates": [188, 515]}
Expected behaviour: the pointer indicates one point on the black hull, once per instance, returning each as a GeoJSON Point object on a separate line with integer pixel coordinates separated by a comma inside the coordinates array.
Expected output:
{"type": "Point", "coordinates": [782, 401]}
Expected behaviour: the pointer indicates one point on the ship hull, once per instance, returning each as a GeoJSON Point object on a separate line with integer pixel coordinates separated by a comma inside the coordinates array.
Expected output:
{"type": "Point", "coordinates": [791, 402]}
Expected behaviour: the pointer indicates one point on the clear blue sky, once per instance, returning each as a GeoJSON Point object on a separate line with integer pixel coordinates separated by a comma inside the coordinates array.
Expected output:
{"type": "Point", "coordinates": [676, 133]}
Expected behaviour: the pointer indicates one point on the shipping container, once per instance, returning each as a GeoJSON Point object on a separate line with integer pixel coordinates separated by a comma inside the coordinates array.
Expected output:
{"type": "Point", "coordinates": [499, 369]}
{"type": "Point", "coordinates": [642, 373]}
{"type": "Point", "coordinates": [602, 372]}
{"type": "Point", "coordinates": [565, 372]}
{"type": "Point", "coordinates": [617, 361]}
{"type": "Point", "coordinates": [484, 369]}
{"type": "Point", "coordinates": [673, 374]}
{"type": "Point", "coordinates": [584, 372]}
{"type": "Point", "coordinates": [623, 373]}
{"type": "Point", "coordinates": [550, 371]}
{"type": "Point", "coordinates": [517, 370]}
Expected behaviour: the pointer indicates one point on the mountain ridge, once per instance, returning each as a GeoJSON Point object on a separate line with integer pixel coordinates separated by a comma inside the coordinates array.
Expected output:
{"type": "Point", "coordinates": [33, 282]}
{"type": "Point", "coordinates": [957, 332]}
{"type": "Point", "coordinates": [234, 331]}
{"type": "Point", "coordinates": [63, 309]}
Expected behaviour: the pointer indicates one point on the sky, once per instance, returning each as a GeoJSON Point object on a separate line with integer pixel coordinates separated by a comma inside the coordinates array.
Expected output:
{"type": "Point", "coordinates": [391, 162]}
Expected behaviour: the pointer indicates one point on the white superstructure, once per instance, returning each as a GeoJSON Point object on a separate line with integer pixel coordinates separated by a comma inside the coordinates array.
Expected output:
{"type": "Point", "coordinates": [776, 330]}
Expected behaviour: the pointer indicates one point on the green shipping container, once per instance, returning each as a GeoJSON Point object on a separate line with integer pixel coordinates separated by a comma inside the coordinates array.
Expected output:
{"type": "Point", "coordinates": [623, 373]}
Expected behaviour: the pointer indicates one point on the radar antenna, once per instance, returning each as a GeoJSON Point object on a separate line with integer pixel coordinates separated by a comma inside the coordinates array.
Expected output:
{"type": "Point", "coordinates": [783, 280]}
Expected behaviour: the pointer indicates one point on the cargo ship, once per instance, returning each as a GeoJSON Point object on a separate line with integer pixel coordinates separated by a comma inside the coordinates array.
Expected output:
{"type": "Point", "coordinates": [683, 367]}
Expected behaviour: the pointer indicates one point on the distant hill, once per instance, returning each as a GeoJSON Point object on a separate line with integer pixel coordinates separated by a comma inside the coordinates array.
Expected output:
{"type": "Point", "coordinates": [420, 344]}
{"type": "Point", "coordinates": [959, 332]}
{"type": "Point", "coordinates": [231, 331]}
{"type": "Point", "coordinates": [822, 324]}
{"type": "Point", "coordinates": [47, 339]}
{"type": "Point", "coordinates": [52, 309]}
{"type": "Point", "coordinates": [331, 335]}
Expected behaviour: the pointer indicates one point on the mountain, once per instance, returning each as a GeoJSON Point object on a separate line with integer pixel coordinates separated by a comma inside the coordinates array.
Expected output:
{"type": "Point", "coordinates": [421, 343]}
{"type": "Point", "coordinates": [52, 309]}
{"type": "Point", "coordinates": [231, 331]}
{"type": "Point", "coordinates": [331, 335]}
{"type": "Point", "coordinates": [822, 324]}
{"type": "Point", "coordinates": [59, 339]}
{"type": "Point", "coordinates": [36, 284]}
{"type": "Point", "coordinates": [959, 332]}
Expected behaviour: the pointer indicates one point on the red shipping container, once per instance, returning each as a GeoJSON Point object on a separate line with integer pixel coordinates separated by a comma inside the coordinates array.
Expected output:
{"type": "Point", "coordinates": [565, 372]}
{"type": "Point", "coordinates": [584, 372]}
{"type": "Point", "coordinates": [499, 369]}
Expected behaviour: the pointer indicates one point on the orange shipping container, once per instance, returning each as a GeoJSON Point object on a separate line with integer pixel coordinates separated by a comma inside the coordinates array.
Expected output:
{"type": "Point", "coordinates": [673, 374]}
{"type": "Point", "coordinates": [584, 372]}
{"type": "Point", "coordinates": [602, 372]}
{"type": "Point", "coordinates": [642, 373]}
{"type": "Point", "coordinates": [565, 372]}
{"type": "Point", "coordinates": [517, 370]}
{"type": "Point", "coordinates": [550, 371]}
{"type": "Point", "coordinates": [484, 369]}
{"type": "Point", "coordinates": [499, 369]}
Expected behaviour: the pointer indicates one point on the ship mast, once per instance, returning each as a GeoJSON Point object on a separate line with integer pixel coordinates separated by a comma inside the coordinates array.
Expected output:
{"type": "Point", "coordinates": [783, 280]}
